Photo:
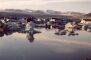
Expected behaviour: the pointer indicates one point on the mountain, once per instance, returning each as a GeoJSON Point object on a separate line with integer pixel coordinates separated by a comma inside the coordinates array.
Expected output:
{"type": "Point", "coordinates": [73, 13]}
{"type": "Point", "coordinates": [38, 13]}
{"type": "Point", "coordinates": [52, 12]}
{"type": "Point", "coordinates": [16, 11]}
{"type": "Point", "coordinates": [89, 15]}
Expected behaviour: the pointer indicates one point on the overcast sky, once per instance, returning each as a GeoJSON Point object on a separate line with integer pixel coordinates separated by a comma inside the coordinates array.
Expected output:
{"type": "Point", "coordinates": [60, 5]}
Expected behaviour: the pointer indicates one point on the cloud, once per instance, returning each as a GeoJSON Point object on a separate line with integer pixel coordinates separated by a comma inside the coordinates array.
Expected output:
{"type": "Point", "coordinates": [22, 4]}
{"type": "Point", "coordinates": [18, 3]}
{"type": "Point", "coordinates": [61, 5]}
{"type": "Point", "coordinates": [46, 0]}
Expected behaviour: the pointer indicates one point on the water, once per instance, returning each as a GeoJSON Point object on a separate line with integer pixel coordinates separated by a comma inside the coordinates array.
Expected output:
{"type": "Point", "coordinates": [45, 46]}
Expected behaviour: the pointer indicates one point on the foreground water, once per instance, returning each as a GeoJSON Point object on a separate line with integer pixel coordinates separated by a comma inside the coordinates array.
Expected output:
{"type": "Point", "coordinates": [46, 46]}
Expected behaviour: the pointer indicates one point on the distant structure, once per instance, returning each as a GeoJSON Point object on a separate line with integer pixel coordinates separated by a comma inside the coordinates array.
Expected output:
{"type": "Point", "coordinates": [69, 26]}
{"type": "Point", "coordinates": [85, 21]}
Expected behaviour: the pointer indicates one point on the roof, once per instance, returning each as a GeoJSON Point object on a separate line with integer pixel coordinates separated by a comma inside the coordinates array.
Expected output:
{"type": "Point", "coordinates": [87, 19]}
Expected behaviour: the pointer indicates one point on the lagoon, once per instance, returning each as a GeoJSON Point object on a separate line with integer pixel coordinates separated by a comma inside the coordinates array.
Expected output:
{"type": "Point", "coordinates": [45, 46]}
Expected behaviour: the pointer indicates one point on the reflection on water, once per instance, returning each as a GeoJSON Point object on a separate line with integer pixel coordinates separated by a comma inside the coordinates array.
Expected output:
{"type": "Point", "coordinates": [73, 33]}
{"type": "Point", "coordinates": [1, 34]}
{"type": "Point", "coordinates": [44, 46]}
{"type": "Point", "coordinates": [30, 37]}
{"type": "Point", "coordinates": [69, 33]}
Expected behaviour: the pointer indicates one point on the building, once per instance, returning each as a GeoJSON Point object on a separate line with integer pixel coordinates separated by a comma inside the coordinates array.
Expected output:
{"type": "Point", "coordinates": [69, 26]}
{"type": "Point", "coordinates": [85, 21]}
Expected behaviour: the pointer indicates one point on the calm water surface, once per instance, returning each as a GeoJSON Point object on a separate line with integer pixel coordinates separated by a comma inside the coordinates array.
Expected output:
{"type": "Point", "coordinates": [45, 46]}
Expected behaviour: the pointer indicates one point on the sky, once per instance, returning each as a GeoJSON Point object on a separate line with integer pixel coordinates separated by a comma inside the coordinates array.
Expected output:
{"type": "Point", "coordinates": [58, 5]}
